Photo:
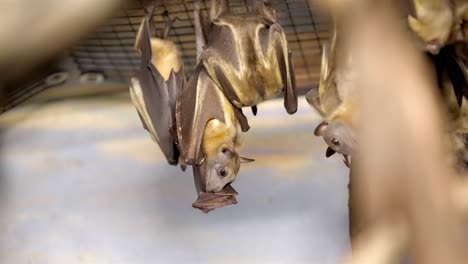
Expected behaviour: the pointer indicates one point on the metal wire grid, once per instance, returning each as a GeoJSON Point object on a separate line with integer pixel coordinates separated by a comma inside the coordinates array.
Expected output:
{"type": "Point", "coordinates": [110, 48]}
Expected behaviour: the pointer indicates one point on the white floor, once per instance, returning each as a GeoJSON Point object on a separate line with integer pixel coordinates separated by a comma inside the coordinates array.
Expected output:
{"type": "Point", "coordinates": [81, 182]}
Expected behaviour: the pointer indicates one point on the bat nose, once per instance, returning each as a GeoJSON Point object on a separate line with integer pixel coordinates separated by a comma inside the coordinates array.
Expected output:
{"type": "Point", "coordinates": [210, 189]}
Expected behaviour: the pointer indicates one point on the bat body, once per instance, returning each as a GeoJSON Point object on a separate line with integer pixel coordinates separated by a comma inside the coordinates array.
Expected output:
{"type": "Point", "coordinates": [335, 99]}
{"type": "Point", "coordinates": [247, 55]}
{"type": "Point", "coordinates": [439, 22]}
{"type": "Point", "coordinates": [433, 23]}
{"type": "Point", "coordinates": [212, 139]}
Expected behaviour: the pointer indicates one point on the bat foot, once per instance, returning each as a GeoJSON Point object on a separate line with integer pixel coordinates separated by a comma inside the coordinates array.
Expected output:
{"type": "Point", "coordinates": [207, 202]}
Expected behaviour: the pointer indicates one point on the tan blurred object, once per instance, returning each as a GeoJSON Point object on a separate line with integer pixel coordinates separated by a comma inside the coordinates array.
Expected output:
{"type": "Point", "coordinates": [32, 32]}
{"type": "Point", "coordinates": [403, 181]}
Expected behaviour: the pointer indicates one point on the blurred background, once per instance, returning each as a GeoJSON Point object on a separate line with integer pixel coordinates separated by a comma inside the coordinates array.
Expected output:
{"type": "Point", "coordinates": [82, 182]}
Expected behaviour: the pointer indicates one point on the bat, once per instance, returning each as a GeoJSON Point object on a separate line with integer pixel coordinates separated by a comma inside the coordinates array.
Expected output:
{"type": "Point", "coordinates": [192, 121]}
{"type": "Point", "coordinates": [439, 22]}
{"type": "Point", "coordinates": [156, 85]}
{"type": "Point", "coordinates": [242, 61]}
{"type": "Point", "coordinates": [334, 99]}
{"type": "Point", "coordinates": [246, 56]}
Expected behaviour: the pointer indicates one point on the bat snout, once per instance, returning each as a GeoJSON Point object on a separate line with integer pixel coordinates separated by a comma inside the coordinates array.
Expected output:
{"type": "Point", "coordinates": [214, 189]}
{"type": "Point", "coordinates": [433, 47]}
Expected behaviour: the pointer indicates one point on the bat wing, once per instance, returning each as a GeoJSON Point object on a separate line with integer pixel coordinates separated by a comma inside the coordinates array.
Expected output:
{"type": "Point", "coordinates": [290, 96]}
{"type": "Point", "coordinates": [460, 79]}
{"type": "Point", "coordinates": [456, 69]}
{"type": "Point", "coordinates": [313, 99]}
{"type": "Point", "coordinates": [154, 99]}
{"type": "Point", "coordinates": [202, 26]}
{"type": "Point", "coordinates": [286, 67]}
{"type": "Point", "coordinates": [199, 102]}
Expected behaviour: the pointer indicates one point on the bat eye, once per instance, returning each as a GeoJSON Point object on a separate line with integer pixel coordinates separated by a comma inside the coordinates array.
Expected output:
{"type": "Point", "coordinates": [335, 141]}
{"type": "Point", "coordinates": [222, 173]}
{"type": "Point", "coordinates": [224, 150]}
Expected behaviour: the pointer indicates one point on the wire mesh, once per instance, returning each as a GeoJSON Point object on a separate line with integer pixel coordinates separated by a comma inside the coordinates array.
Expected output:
{"type": "Point", "coordinates": [110, 48]}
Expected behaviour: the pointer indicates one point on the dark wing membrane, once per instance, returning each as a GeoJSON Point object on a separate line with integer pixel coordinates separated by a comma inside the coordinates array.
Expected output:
{"type": "Point", "coordinates": [202, 27]}
{"type": "Point", "coordinates": [457, 71]}
{"type": "Point", "coordinates": [153, 96]}
{"type": "Point", "coordinates": [286, 67]}
{"type": "Point", "coordinates": [313, 99]}
{"type": "Point", "coordinates": [461, 81]}
{"type": "Point", "coordinates": [199, 102]}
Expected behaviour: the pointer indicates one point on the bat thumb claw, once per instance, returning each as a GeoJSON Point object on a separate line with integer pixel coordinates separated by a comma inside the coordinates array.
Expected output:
{"type": "Point", "coordinates": [246, 160]}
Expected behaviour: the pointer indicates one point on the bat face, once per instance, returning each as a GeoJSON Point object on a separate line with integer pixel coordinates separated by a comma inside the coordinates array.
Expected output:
{"type": "Point", "coordinates": [221, 169]}
{"type": "Point", "coordinates": [338, 135]}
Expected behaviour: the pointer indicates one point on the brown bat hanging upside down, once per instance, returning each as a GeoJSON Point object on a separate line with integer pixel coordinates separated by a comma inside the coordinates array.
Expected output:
{"type": "Point", "coordinates": [246, 55]}
{"type": "Point", "coordinates": [193, 122]}
{"type": "Point", "coordinates": [439, 22]}
{"type": "Point", "coordinates": [335, 99]}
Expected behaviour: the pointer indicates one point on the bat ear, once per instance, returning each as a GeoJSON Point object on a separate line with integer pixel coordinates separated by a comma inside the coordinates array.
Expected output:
{"type": "Point", "coordinates": [263, 9]}
{"type": "Point", "coordinates": [320, 130]}
{"type": "Point", "coordinates": [329, 152]}
{"type": "Point", "coordinates": [246, 160]}
{"type": "Point", "coordinates": [218, 8]}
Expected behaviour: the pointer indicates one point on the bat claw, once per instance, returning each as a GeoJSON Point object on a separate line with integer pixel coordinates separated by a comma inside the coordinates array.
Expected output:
{"type": "Point", "coordinates": [346, 161]}
{"type": "Point", "coordinates": [207, 202]}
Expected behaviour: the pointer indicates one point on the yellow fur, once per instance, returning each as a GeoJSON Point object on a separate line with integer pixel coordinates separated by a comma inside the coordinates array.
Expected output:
{"type": "Point", "coordinates": [255, 69]}
{"type": "Point", "coordinates": [218, 134]}
{"type": "Point", "coordinates": [166, 56]}
{"type": "Point", "coordinates": [434, 20]}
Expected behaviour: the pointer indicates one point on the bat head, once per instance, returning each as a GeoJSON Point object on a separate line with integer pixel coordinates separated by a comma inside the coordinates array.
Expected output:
{"type": "Point", "coordinates": [222, 169]}
{"type": "Point", "coordinates": [338, 135]}
{"type": "Point", "coordinates": [433, 23]}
